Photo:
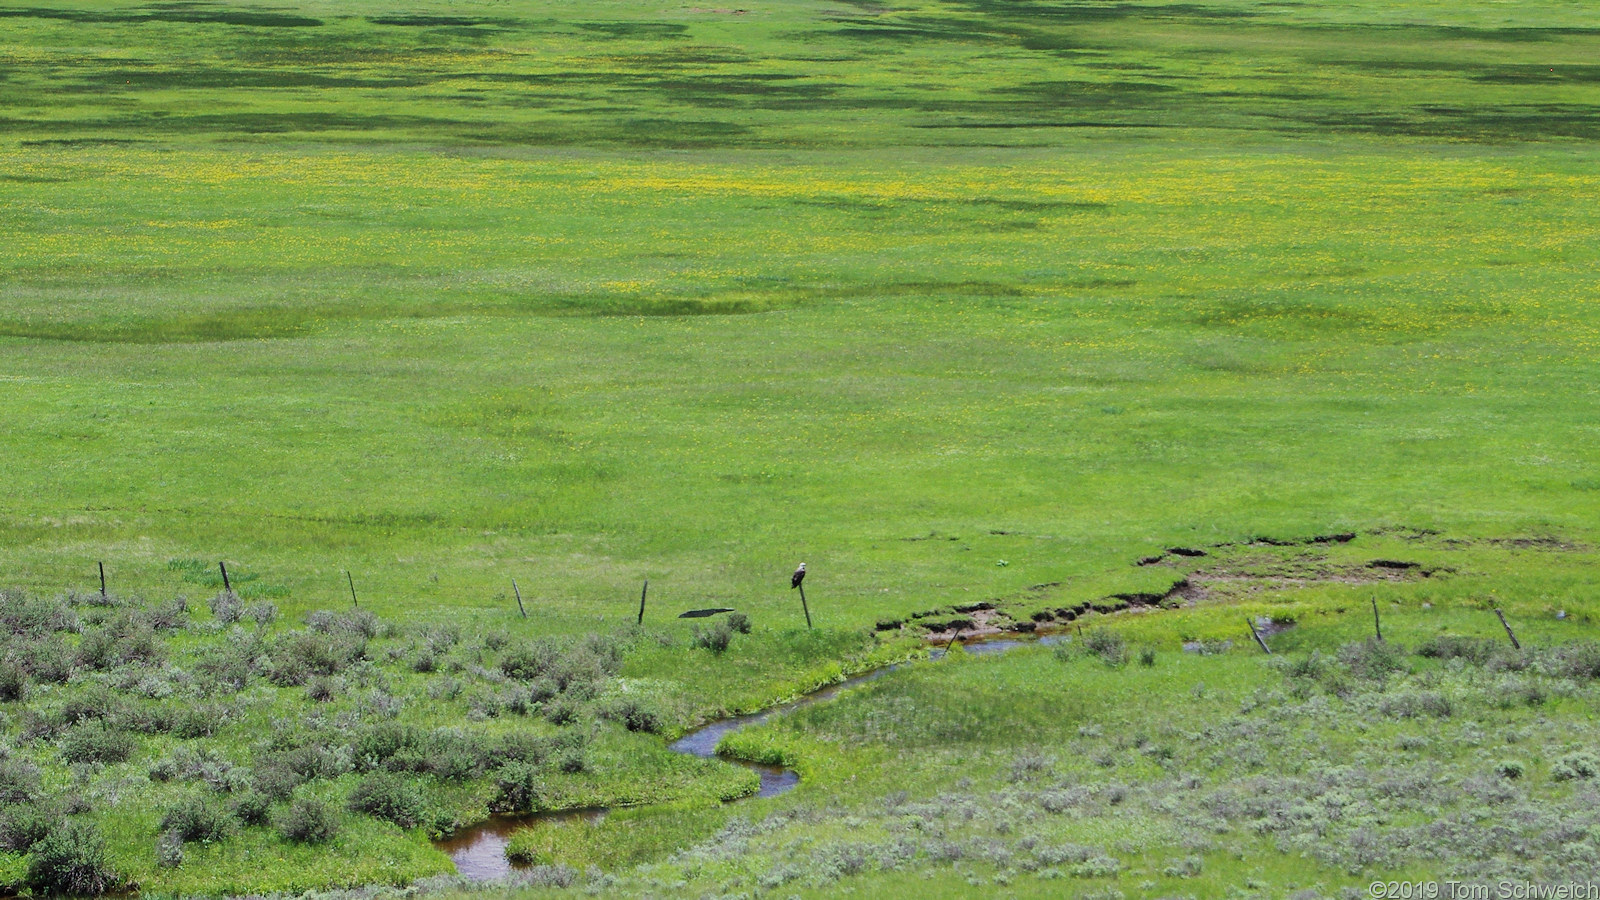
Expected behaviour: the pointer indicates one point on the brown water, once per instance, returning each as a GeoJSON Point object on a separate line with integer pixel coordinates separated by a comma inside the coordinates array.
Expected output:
{"type": "Point", "coordinates": [479, 852]}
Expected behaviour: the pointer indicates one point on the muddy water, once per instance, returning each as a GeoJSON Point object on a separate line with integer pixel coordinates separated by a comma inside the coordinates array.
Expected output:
{"type": "Point", "coordinates": [479, 852]}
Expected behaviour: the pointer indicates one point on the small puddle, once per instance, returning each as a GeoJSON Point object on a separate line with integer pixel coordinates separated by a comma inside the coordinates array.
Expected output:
{"type": "Point", "coordinates": [479, 852]}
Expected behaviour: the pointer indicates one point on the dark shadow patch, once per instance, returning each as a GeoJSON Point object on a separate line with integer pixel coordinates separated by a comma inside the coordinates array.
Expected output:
{"type": "Point", "coordinates": [1036, 206]}
{"type": "Point", "coordinates": [1077, 123]}
{"type": "Point", "coordinates": [419, 21]}
{"type": "Point", "coordinates": [1282, 315]}
{"type": "Point", "coordinates": [1529, 73]}
{"type": "Point", "coordinates": [1047, 13]}
{"type": "Point", "coordinates": [881, 32]}
{"type": "Point", "coordinates": [670, 133]}
{"type": "Point", "coordinates": [653, 31]}
{"type": "Point", "coordinates": [598, 130]}
{"type": "Point", "coordinates": [261, 322]}
{"type": "Point", "coordinates": [687, 55]}
{"type": "Point", "coordinates": [194, 15]}
{"type": "Point", "coordinates": [919, 29]}
{"type": "Point", "coordinates": [1100, 95]}
{"type": "Point", "coordinates": [1412, 32]}
{"type": "Point", "coordinates": [207, 78]}
{"type": "Point", "coordinates": [1488, 124]}
{"type": "Point", "coordinates": [847, 204]}
{"type": "Point", "coordinates": [1536, 74]}
{"type": "Point", "coordinates": [74, 143]}
{"type": "Point", "coordinates": [764, 90]}
{"type": "Point", "coordinates": [183, 13]}
{"type": "Point", "coordinates": [279, 123]}
{"type": "Point", "coordinates": [869, 7]}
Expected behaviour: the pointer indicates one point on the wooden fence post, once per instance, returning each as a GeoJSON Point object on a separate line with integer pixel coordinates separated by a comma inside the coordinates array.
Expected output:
{"type": "Point", "coordinates": [1257, 635]}
{"type": "Point", "coordinates": [1509, 633]}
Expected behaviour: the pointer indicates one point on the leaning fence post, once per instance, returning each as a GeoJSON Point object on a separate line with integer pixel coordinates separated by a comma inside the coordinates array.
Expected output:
{"type": "Point", "coordinates": [351, 579]}
{"type": "Point", "coordinates": [645, 590]}
{"type": "Point", "coordinates": [102, 581]}
{"type": "Point", "coordinates": [1509, 633]}
{"type": "Point", "coordinates": [1257, 635]}
{"type": "Point", "coordinates": [518, 592]}
{"type": "Point", "coordinates": [803, 605]}
{"type": "Point", "coordinates": [1377, 626]}
{"type": "Point", "coordinates": [226, 584]}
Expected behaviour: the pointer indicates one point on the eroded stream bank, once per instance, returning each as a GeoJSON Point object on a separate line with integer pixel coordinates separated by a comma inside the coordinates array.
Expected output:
{"type": "Point", "coordinates": [479, 852]}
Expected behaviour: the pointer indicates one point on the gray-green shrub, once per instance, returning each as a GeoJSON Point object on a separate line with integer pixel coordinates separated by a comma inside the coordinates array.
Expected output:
{"type": "Point", "coordinates": [308, 821]}
{"type": "Point", "coordinates": [520, 789]}
{"type": "Point", "coordinates": [71, 860]}
{"type": "Point", "coordinates": [95, 742]}
{"type": "Point", "coordinates": [199, 818]}
{"type": "Point", "coordinates": [384, 795]}
{"type": "Point", "coordinates": [1575, 766]}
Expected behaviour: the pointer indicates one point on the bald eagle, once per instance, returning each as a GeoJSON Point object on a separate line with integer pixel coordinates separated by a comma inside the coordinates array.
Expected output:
{"type": "Point", "coordinates": [798, 576]}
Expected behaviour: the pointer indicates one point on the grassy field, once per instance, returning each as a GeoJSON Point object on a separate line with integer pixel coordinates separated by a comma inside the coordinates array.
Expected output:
{"type": "Point", "coordinates": [958, 302]}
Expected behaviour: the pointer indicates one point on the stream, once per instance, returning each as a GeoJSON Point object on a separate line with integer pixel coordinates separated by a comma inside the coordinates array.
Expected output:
{"type": "Point", "coordinates": [479, 852]}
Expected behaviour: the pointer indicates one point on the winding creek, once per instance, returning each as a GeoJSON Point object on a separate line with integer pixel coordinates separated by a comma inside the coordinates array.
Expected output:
{"type": "Point", "coordinates": [479, 852]}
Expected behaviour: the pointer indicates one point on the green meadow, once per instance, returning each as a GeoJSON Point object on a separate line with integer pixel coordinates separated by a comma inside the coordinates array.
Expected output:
{"type": "Point", "coordinates": [973, 306]}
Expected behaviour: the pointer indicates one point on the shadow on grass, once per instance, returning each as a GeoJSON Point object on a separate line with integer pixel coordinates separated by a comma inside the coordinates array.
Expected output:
{"type": "Point", "coordinates": [167, 12]}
